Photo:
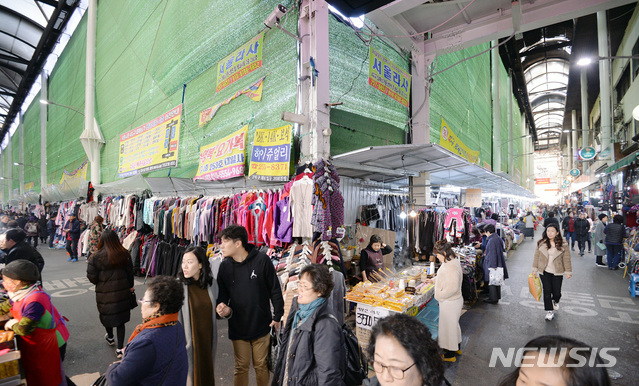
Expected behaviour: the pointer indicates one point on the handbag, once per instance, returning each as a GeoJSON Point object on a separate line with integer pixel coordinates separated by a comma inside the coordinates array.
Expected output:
{"type": "Point", "coordinates": [534, 286]}
{"type": "Point", "coordinates": [274, 351]}
{"type": "Point", "coordinates": [133, 300]}
{"type": "Point", "coordinates": [601, 245]}
{"type": "Point", "coordinates": [496, 276]}
{"type": "Point", "coordinates": [101, 381]}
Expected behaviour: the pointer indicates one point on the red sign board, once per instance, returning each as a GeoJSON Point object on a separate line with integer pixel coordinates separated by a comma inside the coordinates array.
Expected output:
{"type": "Point", "coordinates": [542, 181]}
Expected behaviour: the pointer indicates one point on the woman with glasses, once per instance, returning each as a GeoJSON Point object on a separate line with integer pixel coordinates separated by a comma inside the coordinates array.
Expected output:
{"type": "Point", "coordinates": [402, 352]}
{"type": "Point", "coordinates": [111, 270]}
{"type": "Point", "coordinates": [197, 315]}
{"type": "Point", "coordinates": [156, 353]}
{"type": "Point", "coordinates": [311, 349]}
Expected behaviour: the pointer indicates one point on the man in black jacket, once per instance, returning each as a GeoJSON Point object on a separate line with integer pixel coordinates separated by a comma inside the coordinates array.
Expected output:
{"type": "Point", "coordinates": [582, 228]}
{"type": "Point", "coordinates": [73, 237]}
{"type": "Point", "coordinates": [248, 285]}
{"type": "Point", "coordinates": [551, 219]}
{"type": "Point", "coordinates": [15, 246]}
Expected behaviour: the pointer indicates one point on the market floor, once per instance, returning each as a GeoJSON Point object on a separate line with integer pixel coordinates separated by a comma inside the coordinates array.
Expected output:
{"type": "Point", "coordinates": [595, 308]}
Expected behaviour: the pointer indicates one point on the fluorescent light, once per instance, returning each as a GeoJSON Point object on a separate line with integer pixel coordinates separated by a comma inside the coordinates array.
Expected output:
{"type": "Point", "coordinates": [413, 213]}
{"type": "Point", "coordinates": [44, 101]}
{"type": "Point", "coordinates": [584, 61]}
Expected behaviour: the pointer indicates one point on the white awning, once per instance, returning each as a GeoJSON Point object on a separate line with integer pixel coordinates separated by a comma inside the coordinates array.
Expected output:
{"type": "Point", "coordinates": [397, 162]}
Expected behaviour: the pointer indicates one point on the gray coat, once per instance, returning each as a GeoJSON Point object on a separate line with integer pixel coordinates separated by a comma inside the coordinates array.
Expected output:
{"type": "Point", "coordinates": [600, 237]}
{"type": "Point", "coordinates": [185, 319]}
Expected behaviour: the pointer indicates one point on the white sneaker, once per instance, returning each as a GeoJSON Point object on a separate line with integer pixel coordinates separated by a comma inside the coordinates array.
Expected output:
{"type": "Point", "coordinates": [550, 315]}
{"type": "Point", "coordinates": [555, 305]}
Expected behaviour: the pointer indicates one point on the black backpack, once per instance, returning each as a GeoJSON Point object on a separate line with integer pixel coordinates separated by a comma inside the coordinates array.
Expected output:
{"type": "Point", "coordinates": [356, 367]}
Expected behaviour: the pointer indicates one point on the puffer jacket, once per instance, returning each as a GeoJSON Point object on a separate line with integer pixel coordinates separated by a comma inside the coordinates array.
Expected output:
{"type": "Point", "coordinates": [582, 226]}
{"type": "Point", "coordinates": [316, 356]}
{"type": "Point", "coordinates": [615, 234]}
{"type": "Point", "coordinates": [562, 262]}
{"type": "Point", "coordinates": [112, 289]}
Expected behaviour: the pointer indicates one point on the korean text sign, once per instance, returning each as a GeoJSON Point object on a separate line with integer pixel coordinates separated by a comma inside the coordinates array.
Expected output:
{"type": "Point", "coordinates": [240, 62]}
{"type": "Point", "coordinates": [388, 78]}
{"type": "Point", "coordinates": [271, 155]}
{"type": "Point", "coordinates": [151, 146]}
{"type": "Point", "coordinates": [450, 141]}
{"type": "Point", "coordinates": [224, 158]}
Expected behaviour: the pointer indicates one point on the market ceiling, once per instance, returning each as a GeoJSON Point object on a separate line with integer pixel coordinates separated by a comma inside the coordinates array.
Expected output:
{"type": "Point", "coordinates": [29, 29]}
{"type": "Point", "coordinates": [537, 44]}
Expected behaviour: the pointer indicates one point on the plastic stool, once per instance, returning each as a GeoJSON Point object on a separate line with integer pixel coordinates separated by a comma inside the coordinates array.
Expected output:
{"type": "Point", "coordinates": [634, 282]}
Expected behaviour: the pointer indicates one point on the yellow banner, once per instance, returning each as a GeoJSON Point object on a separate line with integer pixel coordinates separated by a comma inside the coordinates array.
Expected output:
{"type": "Point", "coordinates": [448, 140]}
{"type": "Point", "coordinates": [240, 62]}
{"type": "Point", "coordinates": [271, 155]}
{"type": "Point", "coordinates": [72, 179]}
{"type": "Point", "coordinates": [151, 146]}
{"type": "Point", "coordinates": [253, 91]}
{"type": "Point", "coordinates": [29, 186]}
{"type": "Point", "coordinates": [223, 159]}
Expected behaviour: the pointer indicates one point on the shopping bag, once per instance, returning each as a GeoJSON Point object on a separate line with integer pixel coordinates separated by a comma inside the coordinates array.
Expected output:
{"type": "Point", "coordinates": [274, 351]}
{"type": "Point", "coordinates": [601, 246]}
{"type": "Point", "coordinates": [496, 276]}
{"type": "Point", "coordinates": [534, 286]}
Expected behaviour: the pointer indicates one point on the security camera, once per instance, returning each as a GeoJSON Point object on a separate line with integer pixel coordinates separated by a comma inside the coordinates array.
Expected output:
{"type": "Point", "coordinates": [275, 16]}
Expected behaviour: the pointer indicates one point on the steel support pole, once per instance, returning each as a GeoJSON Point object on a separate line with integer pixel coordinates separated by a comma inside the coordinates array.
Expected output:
{"type": "Point", "coordinates": [509, 111]}
{"type": "Point", "coordinates": [43, 130]}
{"type": "Point", "coordinates": [494, 63]}
{"type": "Point", "coordinates": [604, 85]}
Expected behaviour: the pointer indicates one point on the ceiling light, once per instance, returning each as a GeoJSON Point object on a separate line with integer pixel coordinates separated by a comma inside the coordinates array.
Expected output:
{"type": "Point", "coordinates": [584, 61]}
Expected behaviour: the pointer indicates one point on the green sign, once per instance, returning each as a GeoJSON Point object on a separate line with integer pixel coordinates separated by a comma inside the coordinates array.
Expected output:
{"type": "Point", "coordinates": [575, 172]}
{"type": "Point", "coordinates": [587, 153]}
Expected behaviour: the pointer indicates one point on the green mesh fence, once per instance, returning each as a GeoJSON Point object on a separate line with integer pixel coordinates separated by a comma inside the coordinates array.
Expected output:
{"type": "Point", "coordinates": [147, 50]}
{"type": "Point", "coordinates": [31, 147]}
{"type": "Point", "coordinates": [15, 157]}
{"type": "Point", "coordinates": [367, 116]}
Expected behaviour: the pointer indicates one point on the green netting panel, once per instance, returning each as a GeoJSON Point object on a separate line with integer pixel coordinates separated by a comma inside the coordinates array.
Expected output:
{"type": "Point", "coordinates": [367, 117]}
{"type": "Point", "coordinates": [462, 96]}
{"type": "Point", "coordinates": [31, 127]}
{"type": "Point", "coordinates": [15, 157]}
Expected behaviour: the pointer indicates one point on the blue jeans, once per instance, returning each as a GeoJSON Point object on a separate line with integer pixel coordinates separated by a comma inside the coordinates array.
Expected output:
{"type": "Point", "coordinates": [614, 255]}
{"type": "Point", "coordinates": [570, 238]}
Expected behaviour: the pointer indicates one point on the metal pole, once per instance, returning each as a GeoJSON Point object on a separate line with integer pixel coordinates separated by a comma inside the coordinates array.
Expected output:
{"type": "Point", "coordinates": [420, 117]}
{"type": "Point", "coordinates": [9, 166]}
{"type": "Point", "coordinates": [43, 131]}
{"type": "Point", "coordinates": [21, 156]}
{"type": "Point", "coordinates": [509, 111]}
{"type": "Point", "coordinates": [575, 143]}
{"type": "Point", "coordinates": [604, 85]}
{"type": "Point", "coordinates": [496, 108]}
{"type": "Point", "coordinates": [89, 90]}
{"type": "Point", "coordinates": [569, 142]}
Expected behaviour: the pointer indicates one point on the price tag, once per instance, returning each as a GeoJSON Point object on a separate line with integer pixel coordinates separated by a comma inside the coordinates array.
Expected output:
{"type": "Point", "coordinates": [367, 316]}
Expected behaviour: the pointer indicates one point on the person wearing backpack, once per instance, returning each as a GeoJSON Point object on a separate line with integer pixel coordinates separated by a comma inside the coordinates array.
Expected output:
{"type": "Point", "coordinates": [33, 230]}
{"type": "Point", "coordinates": [312, 346]}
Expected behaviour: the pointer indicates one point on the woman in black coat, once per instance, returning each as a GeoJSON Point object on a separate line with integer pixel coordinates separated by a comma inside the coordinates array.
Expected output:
{"type": "Point", "coordinates": [111, 270]}
{"type": "Point", "coordinates": [311, 350]}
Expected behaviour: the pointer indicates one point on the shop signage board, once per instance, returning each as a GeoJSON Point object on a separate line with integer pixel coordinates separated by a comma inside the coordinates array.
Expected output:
{"type": "Point", "coordinates": [551, 190]}
{"type": "Point", "coordinates": [388, 78]}
{"type": "Point", "coordinates": [587, 153]}
{"type": "Point", "coordinates": [448, 140]}
{"type": "Point", "coordinates": [575, 172]}
{"type": "Point", "coordinates": [224, 158]}
{"type": "Point", "coordinates": [271, 154]}
{"type": "Point", "coordinates": [151, 146]}
{"type": "Point", "coordinates": [240, 62]}
{"type": "Point", "coordinates": [29, 186]}
{"type": "Point", "coordinates": [542, 181]}
{"type": "Point", "coordinates": [253, 91]}
{"type": "Point", "coordinates": [473, 198]}
{"type": "Point", "coordinates": [72, 179]}
{"type": "Point", "coordinates": [604, 155]}
{"type": "Point", "coordinates": [504, 203]}
{"type": "Point", "coordinates": [367, 316]}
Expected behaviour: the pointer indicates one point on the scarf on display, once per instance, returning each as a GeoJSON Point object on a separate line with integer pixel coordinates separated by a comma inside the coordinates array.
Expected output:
{"type": "Point", "coordinates": [305, 310]}
{"type": "Point", "coordinates": [22, 293]}
{"type": "Point", "coordinates": [156, 320]}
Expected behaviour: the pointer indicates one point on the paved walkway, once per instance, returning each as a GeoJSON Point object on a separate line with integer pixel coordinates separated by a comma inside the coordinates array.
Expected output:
{"type": "Point", "coordinates": [595, 308]}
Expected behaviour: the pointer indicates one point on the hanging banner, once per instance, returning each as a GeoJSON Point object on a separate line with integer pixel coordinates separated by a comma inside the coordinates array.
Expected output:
{"type": "Point", "coordinates": [388, 78]}
{"type": "Point", "coordinates": [542, 181]}
{"type": "Point", "coordinates": [223, 159]}
{"type": "Point", "coordinates": [271, 155]}
{"type": "Point", "coordinates": [73, 178]}
{"type": "Point", "coordinates": [29, 186]}
{"type": "Point", "coordinates": [253, 91]}
{"type": "Point", "coordinates": [151, 146]}
{"type": "Point", "coordinates": [240, 63]}
{"type": "Point", "coordinates": [473, 198]}
{"type": "Point", "coordinates": [448, 140]}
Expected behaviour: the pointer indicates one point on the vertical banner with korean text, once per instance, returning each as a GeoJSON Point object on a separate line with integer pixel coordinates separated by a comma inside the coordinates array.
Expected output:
{"type": "Point", "coordinates": [151, 146]}
{"type": "Point", "coordinates": [388, 78]}
{"type": "Point", "coordinates": [224, 158]}
{"type": "Point", "coordinates": [271, 155]}
{"type": "Point", "coordinates": [240, 62]}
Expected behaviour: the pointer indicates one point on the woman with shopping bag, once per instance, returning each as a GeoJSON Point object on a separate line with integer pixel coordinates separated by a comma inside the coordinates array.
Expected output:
{"type": "Point", "coordinates": [494, 264]}
{"type": "Point", "coordinates": [552, 262]}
